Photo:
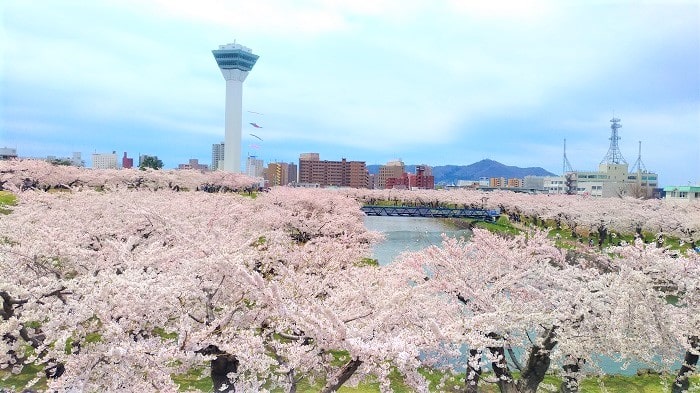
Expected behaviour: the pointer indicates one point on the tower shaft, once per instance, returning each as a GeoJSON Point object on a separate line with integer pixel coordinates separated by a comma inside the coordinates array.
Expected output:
{"type": "Point", "coordinates": [232, 125]}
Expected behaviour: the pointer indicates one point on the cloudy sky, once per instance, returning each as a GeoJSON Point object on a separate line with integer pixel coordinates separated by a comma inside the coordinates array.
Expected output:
{"type": "Point", "coordinates": [434, 82]}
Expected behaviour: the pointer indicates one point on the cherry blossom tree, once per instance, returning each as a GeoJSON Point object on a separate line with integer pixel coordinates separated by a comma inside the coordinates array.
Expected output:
{"type": "Point", "coordinates": [17, 175]}
{"type": "Point", "coordinates": [120, 288]}
{"type": "Point", "coordinates": [523, 292]}
{"type": "Point", "coordinates": [105, 286]}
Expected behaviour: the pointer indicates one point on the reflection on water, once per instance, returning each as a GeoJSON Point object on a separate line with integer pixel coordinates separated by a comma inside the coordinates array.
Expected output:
{"type": "Point", "coordinates": [407, 234]}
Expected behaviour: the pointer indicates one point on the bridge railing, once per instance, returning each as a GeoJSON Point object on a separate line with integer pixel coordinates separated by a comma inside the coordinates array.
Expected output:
{"type": "Point", "coordinates": [427, 211]}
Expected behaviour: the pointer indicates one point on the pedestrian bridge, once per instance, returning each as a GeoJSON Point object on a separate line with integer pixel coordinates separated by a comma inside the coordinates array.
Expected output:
{"type": "Point", "coordinates": [434, 212]}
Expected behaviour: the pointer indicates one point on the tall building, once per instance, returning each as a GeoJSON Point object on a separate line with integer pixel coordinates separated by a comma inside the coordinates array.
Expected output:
{"type": "Point", "coordinates": [392, 169]}
{"type": "Point", "coordinates": [277, 174]}
{"type": "Point", "coordinates": [422, 179]}
{"type": "Point", "coordinates": [235, 61]}
{"type": "Point", "coordinates": [105, 160]}
{"type": "Point", "coordinates": [292, 172]}
{"type": "Point", "coordinates": [127, 162]}
{"type": "Point", "coordinates": [332, 173]}
{"type": "Point", "coordinates": [217, 156]}
{"type": "Point", "coordinates": [254, 167]}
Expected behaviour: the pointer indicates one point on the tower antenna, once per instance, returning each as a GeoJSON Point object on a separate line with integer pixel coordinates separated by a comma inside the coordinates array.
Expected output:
{"type": "Point", "coordinates": [567, 165]}
{"type": "Point", "coordinates": [639, 165]}
{"type": "Point", "coordinates": [614, 155]}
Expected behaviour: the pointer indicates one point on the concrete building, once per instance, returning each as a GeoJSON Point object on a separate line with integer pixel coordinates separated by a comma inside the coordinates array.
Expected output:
{"type": "Point", "coordinates": [8, 153]}
{"type": "Point", "coordinates": [610, 180]}
{"type": "Point", "coordinates": [515, 183]}
{"type": "Point", "coordinates": [392, 169]}
{"type": "Point", "coordinates": [332, 173]}
{"type": "Point", "coordinates": [75, 160]}
{"type": "Point", "coordinates": [193, 163]}
{"type": "Point", "coordinates": [422, 179]}
{"type": "Point", "coordinates": [292, 172]}
{"type": "Point", "coordinates": [105, 160]}
{"type": "Point", "coordinates": [277, 174]}
{"type": "Point", "coordinates": [127, 162]}
{"type": "Point", "coordinates": [682, 193]}
{"type": "Point", "coordinates": [613, 177]}
{"type": "Point", "coordinates": [235, 62]}
{"type": "Point", "coordinates": [217, 156]}
{"type": "Point", "coordinates": [534, 182]}
{"type": "Point", "coordinates": [254, 167]}
{"type": "Point", "coordinates": [497, 182]}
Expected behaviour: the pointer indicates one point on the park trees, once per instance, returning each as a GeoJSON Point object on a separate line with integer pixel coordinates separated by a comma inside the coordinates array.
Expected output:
{"type": "Point", "coordinates": [123, 287]}
{"type": "Point", "coordinates": [565, 313]}
{"type": "Point", "coordinates": [152, 162]}
{"type": "Point", "coordinates": [109, 290]}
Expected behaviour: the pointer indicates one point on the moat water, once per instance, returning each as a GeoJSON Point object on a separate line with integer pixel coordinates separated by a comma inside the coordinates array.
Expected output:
{"type": "Point", "coordinates": [404, 234]}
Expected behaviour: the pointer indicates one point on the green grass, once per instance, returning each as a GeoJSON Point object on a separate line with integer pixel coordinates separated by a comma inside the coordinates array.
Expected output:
{"type": "Point", "coordinates": [7, 199]}
{"type": "Point", "coordinates": [198, 379]}
{"type": "Point", "coordinates": [17, 382]}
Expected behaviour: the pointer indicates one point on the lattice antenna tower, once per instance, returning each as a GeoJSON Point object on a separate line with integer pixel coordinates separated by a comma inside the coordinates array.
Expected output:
{"type": "Point", "coordinates": [639, 165]}
{"type": "Point", "coordinates": [614, 155]}
{"type": "Point", "coordinates": [567, 165]}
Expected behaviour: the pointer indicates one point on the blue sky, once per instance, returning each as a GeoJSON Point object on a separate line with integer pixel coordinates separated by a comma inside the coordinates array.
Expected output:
{"type": "Point", "coordinates": [434, 82]}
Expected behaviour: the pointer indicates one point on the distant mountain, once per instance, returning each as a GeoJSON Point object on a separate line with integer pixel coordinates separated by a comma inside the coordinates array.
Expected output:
{"type": "Point", "coordinates": [449, 174]}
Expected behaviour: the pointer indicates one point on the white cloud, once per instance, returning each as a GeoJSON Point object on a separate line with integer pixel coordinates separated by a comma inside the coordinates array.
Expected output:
{"type": "Point", "coordinates": [368, 75]}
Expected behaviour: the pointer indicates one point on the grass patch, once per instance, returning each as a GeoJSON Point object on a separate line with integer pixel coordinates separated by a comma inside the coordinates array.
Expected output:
{"type": "Point", "coordinates": [198, 379]}
{"type": "Point", "coordinates": [18, 382]}
{"type": "Point", "coordinates": [195, 379]}
{"type": "Point", "coordinates": [7, 199]}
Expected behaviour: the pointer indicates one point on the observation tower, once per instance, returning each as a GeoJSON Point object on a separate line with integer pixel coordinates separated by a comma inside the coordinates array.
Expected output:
{"type": "Point", "coordinates": [235, 61]}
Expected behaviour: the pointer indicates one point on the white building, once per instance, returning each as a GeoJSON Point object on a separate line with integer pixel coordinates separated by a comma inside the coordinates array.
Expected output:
{"type": "Point", "coordinates": [105, 160]}
{"type": "Point", "coordinates": [7, 153]}
{"type": "Point", "coordinates": [682, 193]}
{"type": "Point", "coordinates": [254, 167]}
{"type": "Point", "coordinates": [235, 61]}
{"type": "Point", "coordinates": [217, 156]}
{"type": "Point", "coordinates": [612, 178]}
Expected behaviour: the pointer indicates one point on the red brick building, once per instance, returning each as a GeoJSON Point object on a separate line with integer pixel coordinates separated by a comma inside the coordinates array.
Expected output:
{"type": "Point", "coordinates": [422, 179]}
{"type": "Point", "coordinates": [332, 173]}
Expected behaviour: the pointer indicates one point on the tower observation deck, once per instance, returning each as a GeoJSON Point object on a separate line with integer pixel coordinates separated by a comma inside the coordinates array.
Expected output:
{"type": "Point", "coordinates": [234, 61]}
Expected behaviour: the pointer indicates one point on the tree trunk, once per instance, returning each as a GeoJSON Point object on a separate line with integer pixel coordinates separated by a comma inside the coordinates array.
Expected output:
{"type": "Point", "coordinates": [682, 384]}
{"type": "Point", "coordinates": [345, 373]}
{"type": "Point", "coordinates": [570, 384]}
{"type": "Point", "coordinates": [471, 380]}
{"type": "Point", "coordinates": [505, 383]}
{"type": "Point", "coordinates": [220, 368]}
{"type": "Point", "coordinates": [538, 362]}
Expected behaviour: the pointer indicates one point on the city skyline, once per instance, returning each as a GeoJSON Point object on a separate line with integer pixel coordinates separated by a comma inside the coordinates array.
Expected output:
{"type": "Point", "coordinates": [433, 83]}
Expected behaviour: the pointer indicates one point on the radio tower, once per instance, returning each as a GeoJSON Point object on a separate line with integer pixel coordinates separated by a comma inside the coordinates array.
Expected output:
{"type": "Point", "coordinates": [567, 165]}
{"type": "Point", "coordinates": [638, 165]}
{"type": "Point", "coordinates": [614, 155]}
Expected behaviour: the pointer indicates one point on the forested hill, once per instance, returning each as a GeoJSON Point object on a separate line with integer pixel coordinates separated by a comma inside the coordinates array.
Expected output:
{"type": "Point", "coordinates": [448, 174]}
